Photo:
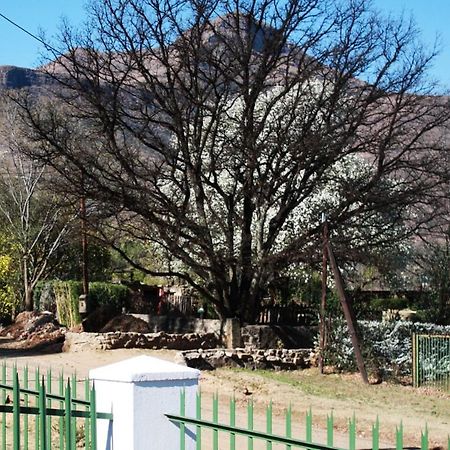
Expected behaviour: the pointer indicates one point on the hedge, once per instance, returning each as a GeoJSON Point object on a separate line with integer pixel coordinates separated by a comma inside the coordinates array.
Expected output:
{"type": "Point", "coordinates": [387, 346]}
{"type": "Point", "coordinates": [61, 297]}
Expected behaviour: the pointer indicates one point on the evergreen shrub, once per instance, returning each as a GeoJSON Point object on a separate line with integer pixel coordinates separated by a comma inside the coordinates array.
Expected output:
{"type": "Point", "coordinates": [387, 346]}
{"type": "Point", "coordinates": [61, 297]}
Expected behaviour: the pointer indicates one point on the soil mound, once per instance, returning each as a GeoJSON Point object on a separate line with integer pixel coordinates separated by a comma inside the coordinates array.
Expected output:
{"type": "Point", "coordinates": [34, 329]}
{"type": "Point", "coordinates": [126, 323]}
{"type": "Point", "coordinates": [99, 318]}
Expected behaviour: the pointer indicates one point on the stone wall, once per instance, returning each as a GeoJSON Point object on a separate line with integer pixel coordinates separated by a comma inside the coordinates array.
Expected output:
{"type": "Point", "coordinates": [255, 336]}
{"type": "Point", "coordinates": [76, 342]}
{"type": "Point", "coordinates": [182, 324]}
{"type": "Point", "coordinates": [276, 336]}
{"type": "Point", "coordinates": [282, 359]}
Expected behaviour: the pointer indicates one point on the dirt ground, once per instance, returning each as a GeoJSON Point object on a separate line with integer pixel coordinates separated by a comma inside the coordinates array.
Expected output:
{"type": "Point", "coordinates": [343, 395]}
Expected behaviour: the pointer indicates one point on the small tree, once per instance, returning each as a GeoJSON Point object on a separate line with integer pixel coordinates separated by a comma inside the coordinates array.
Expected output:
{"type": "Point", "coordinates": [31, 215]}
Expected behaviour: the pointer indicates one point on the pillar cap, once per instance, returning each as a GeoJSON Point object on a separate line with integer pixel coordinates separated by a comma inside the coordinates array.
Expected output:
{"type": "Point", "coordinates": [143, 368]}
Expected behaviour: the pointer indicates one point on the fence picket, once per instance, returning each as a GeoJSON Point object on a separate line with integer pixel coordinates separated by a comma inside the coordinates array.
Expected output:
{"type": "Point", "coordinates": [3, 413]}
{"type": "Point", "coordinates": [26, 404]}
{"type": "Point", "coordinates": [93, 418]}
{"type": "Point", "coordinates": [16, 410]}
{"type": "Point", "coordinates": [308, 421]}
{"type": "Point", "coordinates": [233, 423]}
{"type": "Point", "coordinates": [250, 423]}
{"type": "Point", "coordinates": [424, 439]}
{"type": "Point", "coordinates": [289, 425]}
{"type": "Point", "coordinates": [87, 389]}
{"type": "Point", "coordinates": [269, 423]}
{"type": "Point", "coordinates": [49, 405]}
{"type": "Point", "coordinates": [37, 433]}
{"type": "Point", "coordinates": [376, 435]}
{"type": "Point", "coordinates": [198, 415]}
{"type": "Point", "coordinates": [182, 425]}
{"type": "Point", "coordinates": [73, 393]}
{"type": "Point", "coordinates": [68, 416]}
{"type": "Point", "coordinates": [42, 416]}
{"type": "Point", "coordinates": [61, 406]}
{"type": "Point", "coordinates": [399, 437]}
{"type": "Point", "coordinates": [215, 420]}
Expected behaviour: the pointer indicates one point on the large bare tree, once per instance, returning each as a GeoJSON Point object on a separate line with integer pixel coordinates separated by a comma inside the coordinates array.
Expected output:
{"type": "Point", "coordinates": [219, 126]}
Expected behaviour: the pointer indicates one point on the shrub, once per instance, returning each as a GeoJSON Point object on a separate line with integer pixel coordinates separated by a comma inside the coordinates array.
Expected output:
{"type": "Point", "coordinates": [386, 345]}
{"type": "Point", "coordinates": [101, 293]}
{"type": "Point", "coordinates": [8, 301]}
{"type": "Point", "coordinates": [66, 295]}
{"type": "Point", "coordinates": [62, 298]}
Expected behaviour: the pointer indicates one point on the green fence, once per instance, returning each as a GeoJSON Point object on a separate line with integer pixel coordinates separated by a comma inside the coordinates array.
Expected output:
{"type": "Point", "coordinates": [43, 412]}
{"type": "Point", "coordinates": [268, 439]}
{"type": "Point", "coordinates": [431, 361]}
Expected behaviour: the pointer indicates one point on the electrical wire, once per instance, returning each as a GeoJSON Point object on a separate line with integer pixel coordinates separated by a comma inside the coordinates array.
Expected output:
{"type": "Point", "coordinates": [37, 38]}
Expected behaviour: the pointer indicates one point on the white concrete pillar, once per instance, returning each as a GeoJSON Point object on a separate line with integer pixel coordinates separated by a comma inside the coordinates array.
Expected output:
{"type": "Point", "coordinates": [139, 392]}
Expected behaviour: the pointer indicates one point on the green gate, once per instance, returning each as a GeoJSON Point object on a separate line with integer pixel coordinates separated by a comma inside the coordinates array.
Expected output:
{"type": "Point", "coordinates": [43, 412]}
{"type": "Point", "coordinates": [225, 433]}
{"type": "Point", "coordinates": [431, 361]}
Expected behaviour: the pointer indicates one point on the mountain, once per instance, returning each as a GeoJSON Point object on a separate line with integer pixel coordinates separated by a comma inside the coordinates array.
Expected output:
{"type": "Point", "coordinates": [12, 77]}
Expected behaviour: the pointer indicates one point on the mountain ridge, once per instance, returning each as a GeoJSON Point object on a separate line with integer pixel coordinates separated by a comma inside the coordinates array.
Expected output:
{"type": "Point", "coordinates": [15, 77]}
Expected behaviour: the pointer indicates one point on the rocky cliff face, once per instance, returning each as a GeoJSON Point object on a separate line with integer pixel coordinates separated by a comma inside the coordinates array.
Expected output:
{"type": "Point", "coordinates": [12, 77]}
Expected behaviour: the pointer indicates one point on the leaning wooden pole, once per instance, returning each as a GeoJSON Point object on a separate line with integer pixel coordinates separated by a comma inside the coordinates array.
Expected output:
{"type": "Point", "coordinates": [323, 299]}
{"type": "Point", "coordinates": [347, 313]}
{"type": "Point", "coordinates": [84, 249]}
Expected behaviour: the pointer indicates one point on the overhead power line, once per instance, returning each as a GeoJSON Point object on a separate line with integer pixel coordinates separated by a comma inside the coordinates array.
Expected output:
{"type": "Point", "coordinates": [37, 38]}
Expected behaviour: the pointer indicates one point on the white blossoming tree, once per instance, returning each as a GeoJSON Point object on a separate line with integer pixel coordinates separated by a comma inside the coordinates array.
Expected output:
{"type": "Point", "coordinates": [224, 130]}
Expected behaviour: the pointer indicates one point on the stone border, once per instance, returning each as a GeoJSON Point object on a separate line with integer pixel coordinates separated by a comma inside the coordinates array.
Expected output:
{"type": "Point", "coordinates": [77, 342]}
{"type": "Point", "coordinates": [278, 359]}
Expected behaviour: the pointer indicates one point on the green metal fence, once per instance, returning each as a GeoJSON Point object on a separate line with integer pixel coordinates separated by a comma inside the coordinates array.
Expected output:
{"type": "Point", "coordinates": [431, 361]}
{"type": "Point", "coordinates": [44, 412]}
{"type": "Point", "coordinates": [268, 439]}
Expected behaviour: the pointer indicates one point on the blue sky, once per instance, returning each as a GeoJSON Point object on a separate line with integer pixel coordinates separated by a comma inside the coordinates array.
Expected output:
{"type": "Point", "coordinates": [16, 48]}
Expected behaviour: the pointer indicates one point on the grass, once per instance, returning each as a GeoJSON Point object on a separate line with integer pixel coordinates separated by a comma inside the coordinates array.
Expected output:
{"type": "Point", "coordinates": [345, 395]}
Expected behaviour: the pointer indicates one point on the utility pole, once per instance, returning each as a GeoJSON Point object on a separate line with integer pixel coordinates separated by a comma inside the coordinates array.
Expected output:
{"type": "Point", "coordinates": [84, 256]}
{"type": "Point", "coordinates": [348, 313]}
{"type": "Point", "coordinates": [323, 299]}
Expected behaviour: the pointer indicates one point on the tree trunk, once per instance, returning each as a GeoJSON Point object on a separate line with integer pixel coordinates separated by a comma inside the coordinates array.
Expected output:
{"type": "Point", "coordinates": [29, 304]}
{"type": "Point", "coordinates": [28, 290]}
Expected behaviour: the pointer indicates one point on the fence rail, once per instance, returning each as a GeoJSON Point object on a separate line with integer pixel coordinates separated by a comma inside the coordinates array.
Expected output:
{"type": "Point", "coordinates": [268, 437]}
{"type": "Point", "coordinates": [431, 360]}
{"type": "Point", "coordinates": [42, 419]}
{"type": "Point", "coordinates": [293, 314]}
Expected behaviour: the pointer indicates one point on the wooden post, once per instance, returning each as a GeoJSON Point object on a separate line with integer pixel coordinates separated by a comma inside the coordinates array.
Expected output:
{"type": "Point", "coordinates": [351, 323]}
{"type": "Point", "coordinates": [84, 250]}
{"type": "Point", "coordinates": [323, 299]}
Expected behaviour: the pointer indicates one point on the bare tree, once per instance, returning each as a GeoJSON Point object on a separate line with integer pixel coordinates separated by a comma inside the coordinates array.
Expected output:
{"type": "Point", "coordinates": [218, 125]}
{"type": "Point", "coordinates": [34, 218]}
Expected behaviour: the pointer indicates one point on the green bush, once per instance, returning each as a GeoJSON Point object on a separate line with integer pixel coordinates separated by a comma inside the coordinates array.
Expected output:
{"type": "Point", "coordinates": [62, 297]}
{"type": "Point", "coordinates": [66, 295]}
{"type": "Point", "coordinates": [387, 346]}
{"type": "Point", "coordinates": [101, 293]}
{"type": "Point", "coordinates": [382, 304]}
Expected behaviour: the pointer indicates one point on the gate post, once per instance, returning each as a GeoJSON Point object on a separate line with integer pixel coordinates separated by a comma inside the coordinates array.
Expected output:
{"type": "Point", "coordinates": [139, 392]}
{"type": "Point", "coordinates": [232, 333]}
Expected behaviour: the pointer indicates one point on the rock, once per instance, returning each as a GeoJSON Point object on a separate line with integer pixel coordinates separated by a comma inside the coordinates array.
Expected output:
{"type": "Point", "coordinates": [126, 323]}
{"type": "Point", "coordinates": [105, 341]}
{"type": "Point", "coordinates": [251, 359]}
{"type": "Point", "coordinates": [12, 77]}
